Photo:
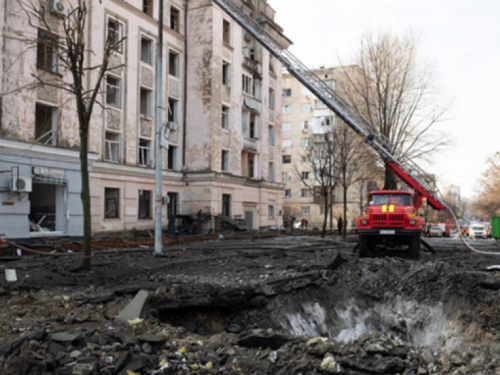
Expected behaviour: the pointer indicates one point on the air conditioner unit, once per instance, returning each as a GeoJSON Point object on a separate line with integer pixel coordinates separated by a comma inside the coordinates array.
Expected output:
{"type": "Point", "coordinates": [59, 8]}
{"type": "Point", "coordinates": [21, 185]}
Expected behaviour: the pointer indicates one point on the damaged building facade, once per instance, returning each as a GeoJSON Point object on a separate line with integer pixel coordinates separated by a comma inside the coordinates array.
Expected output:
{"type": "Point", "coordinates": [220, 103]}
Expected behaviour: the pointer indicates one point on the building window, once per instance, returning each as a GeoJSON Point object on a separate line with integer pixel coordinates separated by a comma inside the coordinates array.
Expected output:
{"type": "Point", "coordinates": [306, 158]}
{"type": "Point", "coordinates": [304, 91]}
{"type": "Point", "coordinates": [287, 93]}
{"type": "Point", "coordinates": [144, 152]}
{"type": "Point", "coordinates": [271, 172]}
{"type": "Point", "coordinates": [306, 210]}
{"type": "Point", "coordinates": [147, 51]}
{"type": "Point", "coordinates": [320, 104]}
{"type": "Point", "coordinates": [111, 203]}
{"type": "Point", "coordinates": [146, 102]}
{"type": "Point", "coordinates": [305, 175]}
{"type": "Point", "coordinates": [286, 110]}
{"type": "Point", "coordinates": [226, 32]}
{"type": "Point", "coordinates": [287, 159]}
{"type": "Point", "coordinates": [145, 204]}
{"type": "Point", "coordinates": [112, 147]}
{"type": "Point", "coordinates": [173, 110]}
{"type": "Point", "coordinates": [305, 142]}
{"type": "Point", "coordinates": [147, 7]}
{"type": "Point", "coordinates": [173, 204]}
{"type": "Point", "coordinates": [306, 107]}
{"type": "Point", "coordinates": [253, 126]}
{"type": "Point", "coordinates": [270, 135]}
{"type": "Point", "coordinates": [271, 98]}
{"type": "Point", "coordinates": [46, 51]}
{"type": "Point", "coordinates": [115, 35]}
{"type": "Point", "coordinates": [247, 84]}
{"type": "Point", "coordinates": [226, 74]}
{"type": "Point", "coordinates": [225, 117]}
{"type": "Point", "coordinates": [321, 210]}
{"type": "Point", "coordinates": [172, 158]}
{"type": "Point", "coordinates": [304, 125]}
{"type": "Point", "coordinates": [175, 17]}
{"type": "Point", "coordinates": [226, 205]}
{"type": "Point", "coordinates": [113, 91]}
{"type": "Point", "coordinates": [286, 143]}
{"type": "Point", "coordinates": [45, 125]}
{"type": "Point", "coordinates": [287, 193]}
{"type": "Point", "coordinates": [271, 64]}
{"type": "Point", "coordinates": [173, 64]}
{"type": "Point", "coordinates": [286, 126]}
{"type": "Point", "coordinates": [285, 176]}
{"type": "Point", "coordinates": [270, 209]}
{"type": "Point", "coordinates": [251, 165]}
{"type": "Point", "coordinates": [305, 193]}
{"type": "Point", "coordinates": [225, 160]}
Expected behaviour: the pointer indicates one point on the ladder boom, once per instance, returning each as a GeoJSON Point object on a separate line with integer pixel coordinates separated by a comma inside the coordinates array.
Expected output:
{"type": "Point", "coordinates": [403, 167]}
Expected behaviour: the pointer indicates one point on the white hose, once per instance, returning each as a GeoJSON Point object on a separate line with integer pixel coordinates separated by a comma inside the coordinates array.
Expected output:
{"type": "Point", "coordinates": [462, 238]}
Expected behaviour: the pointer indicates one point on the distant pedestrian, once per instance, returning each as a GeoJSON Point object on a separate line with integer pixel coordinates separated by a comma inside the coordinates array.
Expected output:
{"type": "Point", "coordinates": [339, 225]}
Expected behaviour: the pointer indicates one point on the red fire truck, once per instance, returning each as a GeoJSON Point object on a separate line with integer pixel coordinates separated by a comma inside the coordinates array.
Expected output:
{"type": "Point", "coordinates": [390, 223]}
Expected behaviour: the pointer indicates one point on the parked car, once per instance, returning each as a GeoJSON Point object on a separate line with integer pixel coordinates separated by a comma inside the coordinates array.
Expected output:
{"type": "Point", "coordinates": [435, 231]}
{"type": "Point", "coordinates": [477, 231]}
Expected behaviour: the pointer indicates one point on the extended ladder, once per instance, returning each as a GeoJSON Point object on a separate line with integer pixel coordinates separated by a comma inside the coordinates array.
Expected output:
{"type": "Point", "coordinates": [404, 168]}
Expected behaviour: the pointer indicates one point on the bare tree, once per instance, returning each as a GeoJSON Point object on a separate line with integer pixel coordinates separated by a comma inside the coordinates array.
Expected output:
{"type": "Point", "coordinates": [395, 92]}
{"type": "Point", "coordinates": [63, 40]}
{"type": "Point", "coordinates": [319, 162]}
{"type": "Point", "coordinates": [487, 203]}
{"type": "Point", "coordinates": [350, 155]}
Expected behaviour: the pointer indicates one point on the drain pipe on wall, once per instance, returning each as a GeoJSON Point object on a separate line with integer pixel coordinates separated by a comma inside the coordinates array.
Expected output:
{"type": "Point", "coordinates": [184, 110]}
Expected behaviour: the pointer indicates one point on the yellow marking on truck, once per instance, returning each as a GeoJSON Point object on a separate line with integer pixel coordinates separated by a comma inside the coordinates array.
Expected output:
{"type": "Point", "coordinates": [384, 208]}
{"type": "Point", "coordinates": [391, 208]}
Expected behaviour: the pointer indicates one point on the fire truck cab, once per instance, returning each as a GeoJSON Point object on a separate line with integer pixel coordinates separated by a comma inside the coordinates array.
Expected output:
{"type": "Point", "coordinates": [390, 223]}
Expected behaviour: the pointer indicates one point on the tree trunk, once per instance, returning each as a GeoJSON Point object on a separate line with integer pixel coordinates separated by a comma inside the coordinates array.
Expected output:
{"type": "Point", "coordinates": [85, 196]}
{"type": "Point", "coordinates": [344, 222]}
{"type": "Point", "coordinates": [325, 216]}
{"type": "Point", "coordinates": [390, 179]}
{"type": "Point", "coordinates": [331, 209]}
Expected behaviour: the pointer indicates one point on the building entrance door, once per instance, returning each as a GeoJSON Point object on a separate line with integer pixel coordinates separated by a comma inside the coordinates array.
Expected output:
{"type": "Point", "coordinates": [249, 220]}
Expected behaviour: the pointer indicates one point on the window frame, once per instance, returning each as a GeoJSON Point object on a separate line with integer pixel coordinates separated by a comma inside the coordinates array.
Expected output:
{"type": "Point", "coordinates": [226, 205]}
{"type": "Point", "coordinates": [52, 115]}
{"type": "Point", "coordinates": [225, 161]}
{"type": "Point", "coordinates": [148, 205]}
{"type": "Point", "coordinates": [270, 172]}
{"type": "Point", "coordinates": [173, 63]}
{"type": "Point", "coordinates": [144, 153]}
{"type": "Point", "coordinates": [270, 135]}
{"type": "Point", "coordinates": [172, 158]}
{"type": "Point", "coordinates": [107, 200]}
{"type": "Point", "coordinates": [286, 93]}
{"type": "Point", "coordinates": [226, 73]}
{"type": "Point", "coordinates": [149, 52]}
{"type": "Point", "coordinates": [287, 193]}
{"type": "Point", "coordinates": [225, 120]}
{"type": "Point", "coordinates": [175, 19]}
{"type": "Point", "coordinates": [47, 49]}
{"type": "Point", "coordinates": [306, 210]}
{"type": "Point", "coordinates": [286, 110]}
{"type": "Point", "coordinates": [173, 110]}
{"type": "Point", "coordinates": [226, 31]}
{"type": "Point", "coordinates": [109, 145]}
{"type": "Point", "coordinates": [115, 36]}
{"type": "Point", "coordinates": [271, 98]}
{"type": "Point", "coordinates": [271, 208]}
{"type": "Point", "coordinates": [286, 159]}
{"type": "Point", "coordinates": [146, 111]}
{"type": "Point", "coordinates": [305, 108]}
{"type": "Point", "coordinates": [147, 7]}
{"type": "Point", "coordinates": [117, 103]}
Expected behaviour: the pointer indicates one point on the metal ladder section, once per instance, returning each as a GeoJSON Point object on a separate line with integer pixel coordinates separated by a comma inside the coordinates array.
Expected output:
{"type": "Point", "coordinates": [333, 101]}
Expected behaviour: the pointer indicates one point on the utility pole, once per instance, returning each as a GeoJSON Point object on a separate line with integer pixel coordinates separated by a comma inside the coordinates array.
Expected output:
{"type": "Point", "coordinates": [158, 192]}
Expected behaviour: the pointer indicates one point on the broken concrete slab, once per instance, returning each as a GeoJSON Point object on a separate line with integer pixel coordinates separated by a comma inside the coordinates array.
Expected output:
{"type": "Point", "coordinates": [133, 309]}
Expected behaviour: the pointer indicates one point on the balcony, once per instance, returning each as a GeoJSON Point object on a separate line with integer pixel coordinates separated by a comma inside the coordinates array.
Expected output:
{"type": "Point", "coordinates": [250, 144]}
{"type": "Point", "coordinates": [252, 65]}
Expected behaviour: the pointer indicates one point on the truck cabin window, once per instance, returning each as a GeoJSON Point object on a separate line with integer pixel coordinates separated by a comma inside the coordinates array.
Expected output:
{"type": "Point", "coordinates": [404, 200]}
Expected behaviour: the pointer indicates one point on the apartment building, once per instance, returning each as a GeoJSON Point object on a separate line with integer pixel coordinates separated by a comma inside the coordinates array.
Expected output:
{"type": "Point", "coordinates": [219, 103]}
{"type": "Point", "coordinates": [305, 122]}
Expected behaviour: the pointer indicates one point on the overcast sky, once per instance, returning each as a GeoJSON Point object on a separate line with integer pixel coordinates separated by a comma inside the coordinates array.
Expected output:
{"type": "Point", "coordinates": [461, 38]}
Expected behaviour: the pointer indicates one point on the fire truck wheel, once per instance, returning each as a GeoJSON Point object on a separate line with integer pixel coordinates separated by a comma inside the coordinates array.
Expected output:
{"type": "Point", "coordinates": [362, 246]}
{"type": "Point", "coordinates": [415, 247]}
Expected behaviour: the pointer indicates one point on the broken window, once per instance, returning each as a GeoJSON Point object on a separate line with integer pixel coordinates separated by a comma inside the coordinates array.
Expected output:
{"type": "Point", "coordinates": [113, 91]}
{"type": "Point", "coordinates": [173, 203]}
{"type": "Point", "coordinates": [115, 35]}
{"type": "Point", "coordinates": [146, 102]}
{"type": "Point", "coordinates": [287, 159]}
{"type": "Point", "coordinates": [145, 200]}
{"type": "Point", "coordinates": [111, 203]}
{"type": "Point", "coordinates": [226, 74]}
{"type": "Point", "coordinates": [45, 125]}
{"type": "Point", "coordinates": [251, 165]}
{"type": "Point", "coordinates": [225, 117]}
{"type": "Point", "coordinates": [287, 93]}
{"type": "Point", "coordinates": [270, 209]}
{"type": "Point", "coordinates": [271, 98]}
{"type": "Point", "coordinates": [175, 16]}
{"type": "Point", "coordinates": [270, 135]}
{"type": "Point", "coordinates": [172, 158]}
{"type": "Point", "coordinates": [173, 63]}
{"type": "Point", "coordinates": [46, 51]}
{"type": "Point", "coordinates": [147, 51]}
{"type": "Point", "coordinates": [147, 7]}
{"type": "Point", "coordinates": [270, 176]}
{"type": "Point", "coordinates": [112, 147]}
{"type": "Point", "coordinates": [226, 32]}
{"type": "Point", "coordinates": [226, 205]}
{"type": "Point", "coordinates": [305, 175]}
{"type": "Point", "coordinates": [252, 131]}
{"type": "Point", "coordinates": [172, 110]}
{"type": "Point", "coordinates": [304, 125]}
{"type": "Point", "coordinates": [271, 64]}
{"type": "Point", "coordinates": [225, 161]}
{"type": "Point", "coordinates": [287, 193]}
{"type": "Point", "coordinates": [144, 152]}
